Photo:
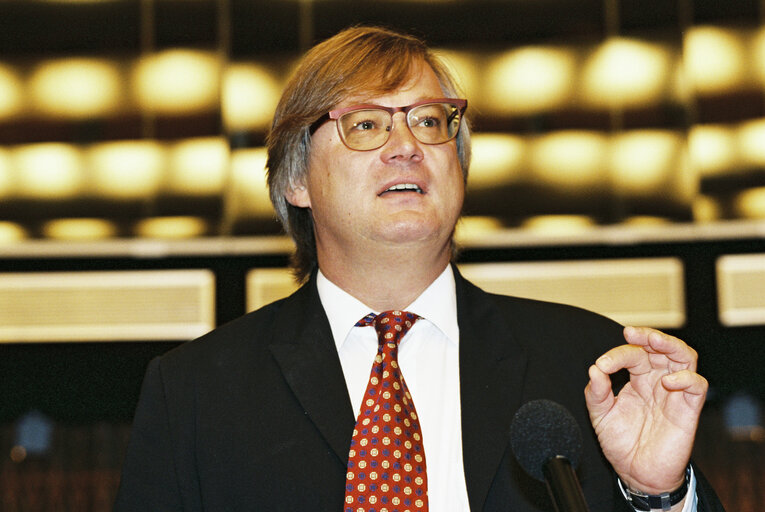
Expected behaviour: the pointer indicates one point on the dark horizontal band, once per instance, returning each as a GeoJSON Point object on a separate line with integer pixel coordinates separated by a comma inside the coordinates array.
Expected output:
{"type": "Point", "coordinates": [665, 501]}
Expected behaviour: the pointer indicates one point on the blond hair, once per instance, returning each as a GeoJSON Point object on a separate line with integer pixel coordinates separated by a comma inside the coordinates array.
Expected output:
{"type": "Point", "coordinates": [368, 60]}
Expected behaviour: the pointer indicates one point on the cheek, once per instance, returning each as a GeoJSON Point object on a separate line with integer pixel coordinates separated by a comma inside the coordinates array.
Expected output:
{"type": "Point", "coordinates": [458, 199]}
{"type": "Point", "coordinates": [455, 176]}
{"type": "Point", "coordinates": [331, 195]}
{"type": "Point", "coordinates": [457, 191]}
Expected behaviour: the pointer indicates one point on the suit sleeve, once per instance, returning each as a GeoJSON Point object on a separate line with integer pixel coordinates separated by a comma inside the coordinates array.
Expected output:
{"type": "Point", "coordinates": [148, 474]}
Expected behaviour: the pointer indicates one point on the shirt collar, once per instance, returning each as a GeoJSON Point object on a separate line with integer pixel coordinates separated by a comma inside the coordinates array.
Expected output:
{"type": "Point", "coordinates": [437, 304]}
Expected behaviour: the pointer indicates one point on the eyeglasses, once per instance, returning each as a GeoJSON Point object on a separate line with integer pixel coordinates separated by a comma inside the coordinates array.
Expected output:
{"type": "Point", "coordinates": [368, 127]}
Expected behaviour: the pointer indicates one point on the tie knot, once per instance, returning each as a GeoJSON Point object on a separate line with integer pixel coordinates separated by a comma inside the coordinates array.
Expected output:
{"type": "Point", "coordinates": [391, 326]}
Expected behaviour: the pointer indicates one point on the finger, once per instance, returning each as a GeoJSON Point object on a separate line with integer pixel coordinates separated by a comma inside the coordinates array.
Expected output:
{"type": "Point", "coordinates": [633, 358]}
{"type": "Point", "coordinates": [657, 342]}
{"type": "Point", "coordinates": [599, 385]}
{"type": "Point", "coordinates": [645, 335]}
{"type": "Point", "coordinates": [692, 384]}
{"type": "Point", "coordinates": [598, 393]}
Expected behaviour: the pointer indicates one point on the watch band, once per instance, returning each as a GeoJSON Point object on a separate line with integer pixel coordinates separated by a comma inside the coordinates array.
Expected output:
{"type": "Point", "coordinates": [665, 501]}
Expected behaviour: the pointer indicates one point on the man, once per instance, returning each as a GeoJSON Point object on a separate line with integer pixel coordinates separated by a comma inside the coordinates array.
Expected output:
{"type": "Point", "coordinates": [367, 165]}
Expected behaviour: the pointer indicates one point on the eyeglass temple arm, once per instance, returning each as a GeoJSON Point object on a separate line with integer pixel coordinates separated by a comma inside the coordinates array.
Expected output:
{"type": "Point", "coordinates": [317, 124]}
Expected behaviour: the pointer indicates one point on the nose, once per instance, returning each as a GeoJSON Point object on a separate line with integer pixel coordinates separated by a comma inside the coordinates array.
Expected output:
{"type": "Point", "coordinates": [402, 146]}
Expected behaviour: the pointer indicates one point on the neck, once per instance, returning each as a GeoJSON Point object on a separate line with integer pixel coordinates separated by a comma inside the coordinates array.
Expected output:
{"type": "Point", "coordinates": [389, 279]}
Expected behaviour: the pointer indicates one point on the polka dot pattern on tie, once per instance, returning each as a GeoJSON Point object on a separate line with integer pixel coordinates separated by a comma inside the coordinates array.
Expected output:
{"type": "Point", "coordinates": [386, 462]}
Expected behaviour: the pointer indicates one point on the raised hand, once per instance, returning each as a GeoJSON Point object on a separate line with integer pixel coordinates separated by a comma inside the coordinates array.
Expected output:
{"type": "Point", "coordinates": [647, 430]}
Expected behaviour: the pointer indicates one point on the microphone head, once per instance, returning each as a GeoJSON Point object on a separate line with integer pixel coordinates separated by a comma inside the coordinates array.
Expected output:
{"type": "Point", "coordinates": [543, 429]}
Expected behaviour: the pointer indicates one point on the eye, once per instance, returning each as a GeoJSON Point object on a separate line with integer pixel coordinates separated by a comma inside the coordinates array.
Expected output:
{"type": "Point", "coordinates": [429, 122]}
{"type": "Point", "coordinates": [364, 125]}
{"type": "Point", "coordinates": [430, 116]}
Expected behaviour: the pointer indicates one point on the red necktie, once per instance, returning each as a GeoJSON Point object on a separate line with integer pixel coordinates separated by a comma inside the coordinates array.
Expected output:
{"type": "Point", "coordinates": [386, 463]}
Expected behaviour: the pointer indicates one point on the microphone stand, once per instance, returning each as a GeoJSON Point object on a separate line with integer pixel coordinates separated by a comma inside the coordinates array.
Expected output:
{"type": "Point", "coordinates": [563, 485]}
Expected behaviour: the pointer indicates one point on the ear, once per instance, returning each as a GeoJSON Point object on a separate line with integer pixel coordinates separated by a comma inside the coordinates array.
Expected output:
{"type": "Point", "coordinates": [297, 195]}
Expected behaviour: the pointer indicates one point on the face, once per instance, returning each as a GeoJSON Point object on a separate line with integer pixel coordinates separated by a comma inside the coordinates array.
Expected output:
{"type": "Point", "coordinates": [404, 193]}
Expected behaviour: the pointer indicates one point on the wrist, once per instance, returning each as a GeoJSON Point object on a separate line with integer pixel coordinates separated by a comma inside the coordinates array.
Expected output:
{"type": "Point", "coordinates": [666, 501]}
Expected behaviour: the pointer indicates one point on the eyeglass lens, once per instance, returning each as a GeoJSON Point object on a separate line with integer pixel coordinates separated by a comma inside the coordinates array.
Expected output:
{"type": "Point", "coordinates": [432, 123]}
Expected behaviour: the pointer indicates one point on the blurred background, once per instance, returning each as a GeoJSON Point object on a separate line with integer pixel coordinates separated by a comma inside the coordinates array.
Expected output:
{"type": "Point", "coordinates": [619, 164]}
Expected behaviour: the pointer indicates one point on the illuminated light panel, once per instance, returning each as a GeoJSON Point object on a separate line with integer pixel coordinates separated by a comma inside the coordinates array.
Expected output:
{"type": "Point", "coordinates": [758, 55]}
{"type": "Point", "coordinates": [79, 229]}
{"type": "Point", "coordinates": [141, 305]}
{"type": "Point", "coordinates": [685, 182]}
{"type": "Point", "coordinates": [171, 227]}
{"type": "Point", "coordinates": [681, 89]}
{"type": "Point", "coordinates": [634, 291]}
{"type": "Point", "coordinates": [530, 80]}
{"type": "Point", "coordinates": [6, 173]}
{"type": "Point", "coordinates": [11, 232]}
{"type": "Point", "coordinates": [706, 209]}
{"type": "Point", "coordinates": [751, 142]}
{"type": "Point", "coordinates": [465, 68]}
{"type": "Point", "coordinates": [198, 166]}
{"type": "Point", "coordinates": [48, 171]}
{"type": "Point", "coordinates": [713, 149]}
{"type": "Point", "coordinates": [11, 92]}
{"type": "Point", "coordinates": [266, 285]}
{"type": "Point", "coordinates": [250, 95]}
{"type": "Point", "coordinates": [559, 225]}
{"type": "Point", "coordinates": [178, 81]}
{"type": "Point", "coordinates": [625, 72]}
{"type": "Point", "coordinates": [127, 169]}
{"type": "Point", "coordinates": [471, 226]}
{"type": "Point", "coordinates": [750, 204]}
{"type": "Point", "coordinates": [715, 59]}
{"type": "Point", "coordinates": [741, 289]}
{"type": "Point", "coordinates": [496, 159]}
{"type": "Point", "coordinates": [570, 158]}
{"type": "Point", "coordinates": [76, 88]}
{"type": "Point", "coordinates": [646, 221]}
{"type": "Point", "coordinates": [249, 189]}
{"type": "Point", "coordinates": [644, 161]}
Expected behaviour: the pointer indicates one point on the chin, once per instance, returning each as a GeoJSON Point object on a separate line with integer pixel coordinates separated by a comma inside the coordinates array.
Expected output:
{"type": "Point", "coordinates": [412, 233]}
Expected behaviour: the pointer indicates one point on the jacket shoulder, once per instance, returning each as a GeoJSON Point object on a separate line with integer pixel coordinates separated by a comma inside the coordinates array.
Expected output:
{"type": "Point", "coordinates": [542, 325]}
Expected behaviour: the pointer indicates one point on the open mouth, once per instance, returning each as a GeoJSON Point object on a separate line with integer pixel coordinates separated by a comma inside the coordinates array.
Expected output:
{"type": "Point", "coordinates": [404, 187]}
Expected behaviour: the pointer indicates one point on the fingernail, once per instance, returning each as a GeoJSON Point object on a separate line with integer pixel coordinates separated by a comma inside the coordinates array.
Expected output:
{"type": "Point", "coordinates": [603, 360]}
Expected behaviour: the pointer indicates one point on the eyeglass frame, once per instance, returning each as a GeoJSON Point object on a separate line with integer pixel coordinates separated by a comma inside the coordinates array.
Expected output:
{"type": "Point", "coordinates": [337, 113]}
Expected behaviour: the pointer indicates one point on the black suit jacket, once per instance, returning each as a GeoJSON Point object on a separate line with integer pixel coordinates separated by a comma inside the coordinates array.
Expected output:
{"type": "Point", "coordinates": [256, 414]}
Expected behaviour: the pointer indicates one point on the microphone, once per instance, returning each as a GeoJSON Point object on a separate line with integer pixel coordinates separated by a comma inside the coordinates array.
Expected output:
{"type": "Point", "coordinates": [547, 443]}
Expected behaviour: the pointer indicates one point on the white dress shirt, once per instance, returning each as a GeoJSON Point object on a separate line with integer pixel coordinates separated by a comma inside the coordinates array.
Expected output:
{"type": "Point", "coordinates": [429, 360]}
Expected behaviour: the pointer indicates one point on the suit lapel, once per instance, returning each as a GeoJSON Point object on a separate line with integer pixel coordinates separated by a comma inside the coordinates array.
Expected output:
{"type": "Point", "coordinates": [306, 353]}
{"type": "Point", "coordinates": [492, 367]}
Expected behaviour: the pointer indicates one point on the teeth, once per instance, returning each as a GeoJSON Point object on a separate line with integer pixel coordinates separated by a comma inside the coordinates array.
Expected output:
{"type": "Point", "coordinates": [406, 186]}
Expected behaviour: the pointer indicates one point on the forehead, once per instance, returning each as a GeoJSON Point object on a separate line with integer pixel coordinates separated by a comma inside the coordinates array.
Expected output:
{"type": "Point", "coordinates": [421, 83]}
